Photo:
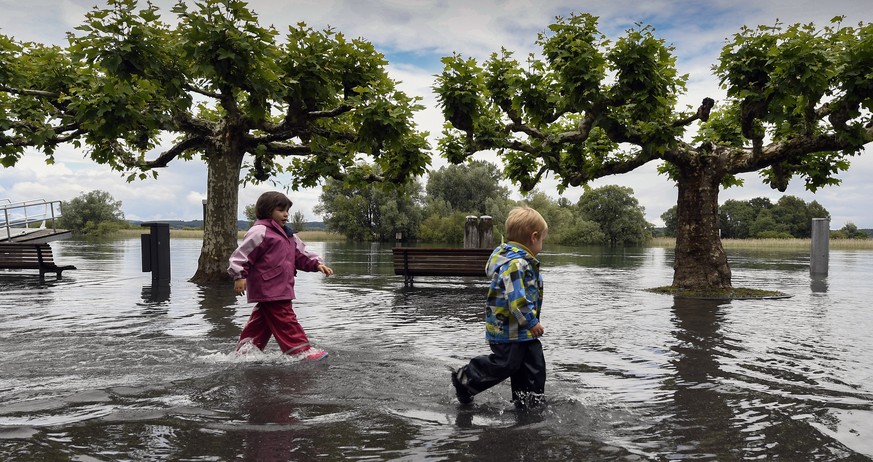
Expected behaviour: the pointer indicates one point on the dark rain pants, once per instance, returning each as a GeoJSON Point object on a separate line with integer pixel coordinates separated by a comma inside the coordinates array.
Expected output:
{"type": "Point", "coordinates": [522, 362]}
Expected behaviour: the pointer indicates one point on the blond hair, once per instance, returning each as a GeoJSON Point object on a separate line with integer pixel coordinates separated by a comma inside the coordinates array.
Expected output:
{"type": "Point", "coordinates": [522, 222]}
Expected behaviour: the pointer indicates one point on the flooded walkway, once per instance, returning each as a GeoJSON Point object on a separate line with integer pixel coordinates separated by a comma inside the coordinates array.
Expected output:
{"type": "Point", "coordinates": [101, 366]}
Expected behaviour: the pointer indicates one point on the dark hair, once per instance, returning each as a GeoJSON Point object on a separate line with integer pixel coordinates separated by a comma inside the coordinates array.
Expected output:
{"type": "Point", "coordinates": [269, 201]}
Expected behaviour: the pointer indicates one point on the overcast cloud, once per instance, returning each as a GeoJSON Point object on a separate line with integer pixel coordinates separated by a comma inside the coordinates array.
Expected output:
{"type": "Point", "coordinates": [414, 35]}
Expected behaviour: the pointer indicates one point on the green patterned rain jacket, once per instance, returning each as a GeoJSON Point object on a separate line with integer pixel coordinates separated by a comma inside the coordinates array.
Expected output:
{"type": "Point", "coordinates": [515, 296]}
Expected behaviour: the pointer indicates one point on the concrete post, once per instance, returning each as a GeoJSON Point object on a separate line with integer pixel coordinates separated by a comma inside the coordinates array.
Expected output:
{"type": "Point", "coordinates": [471, 232]}
{"type": "Point", "coordinates": [486, 232]}
{"type": "Point", "coordinates": [818, 258]}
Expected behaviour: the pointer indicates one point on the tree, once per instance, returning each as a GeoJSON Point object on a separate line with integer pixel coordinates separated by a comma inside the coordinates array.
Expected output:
{"type": "Point", "coordinates": [370, 212]}
{"type": "Point", "coordinates": [298, 221]}
{"type": "Point", "coordinates": [766, 226]}
{"type": "Point", "coordinates": [95, 213]}
{"type": "Point", "coordinates": [251, 214]}
{"type": "Point", "coordinates": [792, 214]}
{"type": "Point", "coordinates": [225, 89]}
{"type": "Point", "coordinates": [758, 217]}
{"type": "Point", "coordinates": [670, 220]}
{"type": "Point", "coordinates": [798, 104]}
{"type": "Point", "coordinates": [467, 187]}
{"type": "Point", "coordinates": [849, 231]}
{"type": "Point", "coordinates": [736, 218]}
{"type": "Point", "coordinates": [620, 216]}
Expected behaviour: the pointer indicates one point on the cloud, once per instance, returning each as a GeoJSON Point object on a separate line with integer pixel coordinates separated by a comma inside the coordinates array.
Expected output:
{"type": "Point", "coordinates": [415, 34]}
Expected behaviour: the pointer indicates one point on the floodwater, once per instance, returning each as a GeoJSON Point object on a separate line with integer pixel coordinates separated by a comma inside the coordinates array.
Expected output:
{"type": "Point", "coordinates": [101, 366]}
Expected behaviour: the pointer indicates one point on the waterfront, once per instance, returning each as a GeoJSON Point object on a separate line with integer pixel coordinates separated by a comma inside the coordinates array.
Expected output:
{"type": "Point", "coordinates": [101, 365]}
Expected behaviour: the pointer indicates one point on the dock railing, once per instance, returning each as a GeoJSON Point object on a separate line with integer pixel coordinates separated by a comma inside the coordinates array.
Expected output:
{"type": "Point", "coordinates": [17, 217]}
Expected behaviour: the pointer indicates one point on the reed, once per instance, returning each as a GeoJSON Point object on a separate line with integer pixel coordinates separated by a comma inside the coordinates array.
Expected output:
{"type": "Point", "coordinates": [783, 244]}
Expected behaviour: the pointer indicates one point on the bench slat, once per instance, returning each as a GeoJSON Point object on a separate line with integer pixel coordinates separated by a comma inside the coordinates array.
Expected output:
{"type": "Point", "coordinates": [434, 261]}
{"type": "Point", "coordinates": [30, 256]}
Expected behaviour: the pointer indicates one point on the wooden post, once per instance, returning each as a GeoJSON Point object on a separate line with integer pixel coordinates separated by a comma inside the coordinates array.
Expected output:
{"type": "Point", "coordinates": [486, 232]}
{"type": "Point", "coordinates": [471, 232]}
{"type": "Point", "coordinates": [818, 258]}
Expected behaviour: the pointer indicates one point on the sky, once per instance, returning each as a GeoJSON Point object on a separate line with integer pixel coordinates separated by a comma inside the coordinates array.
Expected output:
{"type": "Point", "coordinates": [414, 35]}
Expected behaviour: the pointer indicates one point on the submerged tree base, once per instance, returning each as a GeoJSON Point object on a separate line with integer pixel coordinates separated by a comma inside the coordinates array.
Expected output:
{"type": "Point", "coordinates": [737, 293]}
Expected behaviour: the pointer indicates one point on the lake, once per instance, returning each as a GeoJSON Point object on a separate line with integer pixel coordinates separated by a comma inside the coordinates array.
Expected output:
{"type": "Point", "coordinates": [102, 366]}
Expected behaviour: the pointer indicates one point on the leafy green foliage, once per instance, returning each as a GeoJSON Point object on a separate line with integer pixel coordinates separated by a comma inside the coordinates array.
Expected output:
{"type": "Point", "coordinates": [596, 107]}
{"type": "Point", "coordinates": [671, 220]}
{"type": "Point", "coordinates": [467, 188]}
{"type": "Point", "coordinates": [621, 218]}
{"type": "Point", "coordinates": [370, 213]}
{"type": "Point", "coordinates": [760, 218]}
{"type": "Point", "coordinates": [849, 231]}
{"type": "Point", "coordinates": [249, 102]}
{"type": "Point", "coordinates": [95, 213]}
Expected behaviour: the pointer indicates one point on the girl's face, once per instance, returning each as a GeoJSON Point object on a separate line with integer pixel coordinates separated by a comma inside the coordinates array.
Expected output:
{"type": "Point", "coordinates": [280, 216]}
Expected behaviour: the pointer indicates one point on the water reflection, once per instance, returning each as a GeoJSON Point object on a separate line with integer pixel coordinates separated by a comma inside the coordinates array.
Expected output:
{"type": "Point", "coordinates": [93, 370]}
{"type": "Point", "coordinates": [818, 283]}
{"type": "Point", "coordinates": [607, 257]}
{"type": "Point", "coordinates": [702, 421]}
{"type": "Point", "coordinates": [218, 305]}
{"type": "Point", "coordinates": [157, 293]}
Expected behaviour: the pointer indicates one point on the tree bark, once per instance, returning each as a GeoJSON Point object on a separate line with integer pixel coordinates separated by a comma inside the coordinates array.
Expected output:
{"type": "Point", "coordinates": [700, 260]}
{"type": "Point", "coordinates": [222, 198]}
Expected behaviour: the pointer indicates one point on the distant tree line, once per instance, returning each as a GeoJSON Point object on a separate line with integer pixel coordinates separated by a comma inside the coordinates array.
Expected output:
{"type": "Point", "coordinates": [759, 218]}
{"type": "Point", "coordinates": [437, 211]}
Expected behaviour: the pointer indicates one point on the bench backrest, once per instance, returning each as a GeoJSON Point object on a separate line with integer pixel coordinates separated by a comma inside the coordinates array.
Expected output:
{"type": "Point", "coordinates": [24, 255]}
{"type": "Point", "coordinates": [435, 261]}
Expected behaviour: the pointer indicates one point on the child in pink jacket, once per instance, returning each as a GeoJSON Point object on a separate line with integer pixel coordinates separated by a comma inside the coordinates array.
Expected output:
{"type": "Point", "coordinates": [263, 267]}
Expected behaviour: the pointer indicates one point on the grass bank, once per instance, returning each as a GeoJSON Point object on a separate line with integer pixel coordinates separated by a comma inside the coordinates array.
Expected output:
{"type": "Point", "coordinates": [309, 236]}
{"type": "Point", "coordinates": [784, 244]}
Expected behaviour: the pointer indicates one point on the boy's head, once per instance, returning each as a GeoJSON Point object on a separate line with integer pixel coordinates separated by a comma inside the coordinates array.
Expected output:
{"type": "Point", "coordinates": [526, 226]}
{"type": "Point", "coordinates": [270, 201]}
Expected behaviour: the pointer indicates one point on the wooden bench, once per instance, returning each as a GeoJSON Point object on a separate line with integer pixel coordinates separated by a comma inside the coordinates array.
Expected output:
{"type": "Point", "coordinates": [30, 256]}
{"type": "Point", "coordinates": [432, 261]}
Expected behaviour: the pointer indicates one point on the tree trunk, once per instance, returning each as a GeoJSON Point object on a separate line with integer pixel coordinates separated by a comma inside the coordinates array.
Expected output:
{"type": "Point", "coordinates": [222, 200]}
{"type": "Point", "coordinates": [700, 262]}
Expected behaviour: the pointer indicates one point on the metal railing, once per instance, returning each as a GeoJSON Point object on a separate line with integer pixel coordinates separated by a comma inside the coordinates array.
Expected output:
{"type": "Point", "coordinates": [20, 215]}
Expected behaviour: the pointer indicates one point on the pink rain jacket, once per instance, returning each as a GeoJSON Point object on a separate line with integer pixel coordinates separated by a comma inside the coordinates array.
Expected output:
{"type": "Point", "coordinates": [268, 259]}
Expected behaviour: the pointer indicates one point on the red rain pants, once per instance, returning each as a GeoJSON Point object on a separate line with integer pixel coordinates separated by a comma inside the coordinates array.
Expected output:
{"type": "Point", "coordinates": [276, 318]}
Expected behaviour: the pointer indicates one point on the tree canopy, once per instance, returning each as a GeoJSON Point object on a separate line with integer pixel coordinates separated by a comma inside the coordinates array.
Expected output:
{"type": "Point", "coordinates": [94, 213]}
{"type": "Point", "coordinates": [370, 213]}
{"type": "Point", "coordinates": [609, 215]}
{"type": "Point", "coordinates": [226, 90]}
{"type": "Point", "coordinates": [467, 188]}
{"type": "Point", "coordinates": [789, 217]}
{"type": "Point", "coordinates": [798, 105]}
{"type": "Point", "coordinates": [620, 216]}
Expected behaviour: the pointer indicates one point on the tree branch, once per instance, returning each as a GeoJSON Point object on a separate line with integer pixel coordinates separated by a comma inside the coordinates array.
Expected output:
{"type": "Point", "coordinates": [793, 149]}
{"type": "Point", "coordinates": [28, 92]}
{"type": "Point", "coordinates": [287, 149]}
{"type": "Point", "coordinates": [187, 123]}
{"type": "Point", "coordinates": [702, 113]}
{"type": "Point", "coordinates": [167, 156]}
{"type": "Point", "coordinates": [202, 91]}
{"type": "Point", "coordinates": [342, 109]}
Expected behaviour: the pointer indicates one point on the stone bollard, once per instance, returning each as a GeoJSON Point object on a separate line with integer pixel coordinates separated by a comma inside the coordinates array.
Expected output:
{"type": "Point", "coordinates": [471, 232]}
{"type": "Point", "coordinates": [486, 232]}
{"type": "Point", "coordinates": [818, 258]}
